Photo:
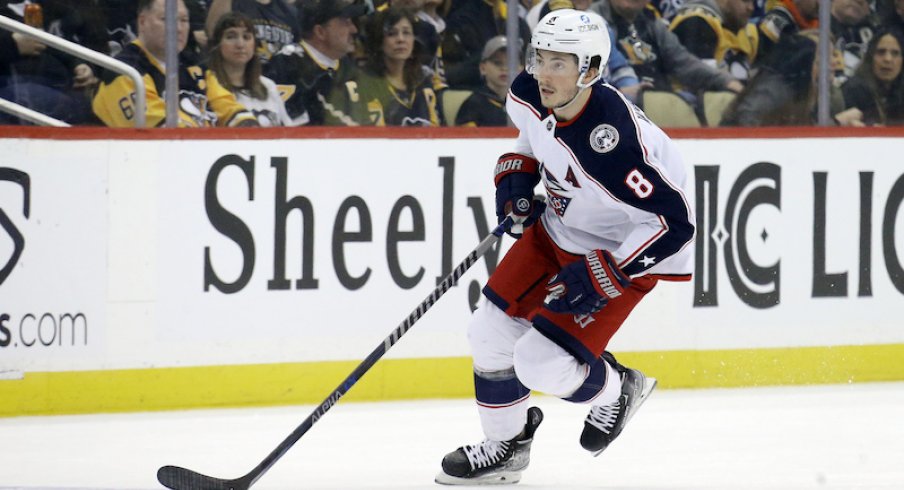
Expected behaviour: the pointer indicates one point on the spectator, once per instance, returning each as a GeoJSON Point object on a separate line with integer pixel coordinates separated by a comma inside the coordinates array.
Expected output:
{"type": "Point", "coordinates": [719, 33]}
{"type": "Point", "coordinates": [45, 80]}
{"type": "Point", "coordinates": [317, 75]}
{"type": "Point", "coordinates": [853, 26]}
{"type": "Point", "coordinates": [435, 12]}
{"type": "Point", "coordinates": [234, 61]}
{"type": "Point", "coordinates": [276, 22]}
{"type": "Point", "coordinates": [426, 36]}
{"type": "Point", "coordinates": [471, 24]}
{"type": "Point", "coordinates": [486, 106]}
{"type": "Point", "coordinates": [202, 100]}
{"type": "Point", "coordinates": [783, 91]}
{"type": "Point", "coordinates": [118, 19]}
{"type": "Point", "coordinates": [120, 24]}
{"type": "Point", "coordinates": [668, 9]}
{"type": "Point", "coordinates": [619, 73]}
{"type": "Point", "coordinates": [82, 23]}
{"type": "Point", "coordinates": [785, 17]}
{"type": "Point", "coordinates": [655, 53]}
{"type": "Point", "coordinates": [543, 7]}
{"type": "Point", "coordinates": [395, 88]}
{"type": "Point", "coordinates": [875, 94]}
{"type": "Point", "coordinates": [197, 16]}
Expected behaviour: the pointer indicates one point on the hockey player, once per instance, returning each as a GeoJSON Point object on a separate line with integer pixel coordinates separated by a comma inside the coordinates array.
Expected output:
{"type": "Point", "coordinates": [617, 222]}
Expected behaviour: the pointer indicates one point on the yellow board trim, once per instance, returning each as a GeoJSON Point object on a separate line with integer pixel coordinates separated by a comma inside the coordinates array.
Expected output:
{"type": "Point", "coordinates": [132, 390]}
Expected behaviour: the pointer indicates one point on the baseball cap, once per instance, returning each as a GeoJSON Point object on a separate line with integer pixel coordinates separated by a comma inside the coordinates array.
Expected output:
{"type": "Point", "coordinates": [317, 12]}
{"type": "Point", "coordinates": [493, 45]}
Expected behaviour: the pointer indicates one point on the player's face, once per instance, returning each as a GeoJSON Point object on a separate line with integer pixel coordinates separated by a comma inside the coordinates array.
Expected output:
{"type": "Point", "coordinates": [887, 59]}
{"type": "Point", "coordinates": [152, 27]}
{"type": "Point", "coordinates": [398, 43]}
{"type": "Point", "coordinates": [557, 75]}
{"type": "Point", "coordinates": [237, 46]}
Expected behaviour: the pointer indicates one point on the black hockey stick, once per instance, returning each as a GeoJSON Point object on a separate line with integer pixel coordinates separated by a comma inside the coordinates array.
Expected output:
{"type": "Point", "coordinates": [184, 479]}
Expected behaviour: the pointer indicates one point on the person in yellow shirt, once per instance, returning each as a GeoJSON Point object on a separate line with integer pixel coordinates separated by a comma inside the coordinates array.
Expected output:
{"type": "Point", "coordinates": [203, 101]}
{"type": "Point", "coordinates": [719, 33]}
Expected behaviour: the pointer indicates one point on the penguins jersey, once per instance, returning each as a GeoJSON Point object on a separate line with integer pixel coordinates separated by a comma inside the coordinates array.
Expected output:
{"type": "Point", "coordinates": [613, 179]}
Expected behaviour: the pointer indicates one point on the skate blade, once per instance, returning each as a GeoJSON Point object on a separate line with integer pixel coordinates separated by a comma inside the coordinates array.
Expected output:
{"type": "Point", "coordinates": [648, 387]}
{"type": "Point", "coordinates": [497, 478]}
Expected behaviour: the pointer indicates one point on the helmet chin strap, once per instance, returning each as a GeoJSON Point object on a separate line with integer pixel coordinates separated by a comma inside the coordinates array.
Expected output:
{"type": "Point", "coordinates": [571, 101]}
{"type": "Point", "coordinates": [581, 88]}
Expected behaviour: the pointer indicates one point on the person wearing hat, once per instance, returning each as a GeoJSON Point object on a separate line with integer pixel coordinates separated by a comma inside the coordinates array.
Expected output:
{"type": "Point", "coordinates": [316, 75]}
{"type": "Point", "coordinates": [486, 106]}
{"type": "Point", "coordinates": [275, 22]}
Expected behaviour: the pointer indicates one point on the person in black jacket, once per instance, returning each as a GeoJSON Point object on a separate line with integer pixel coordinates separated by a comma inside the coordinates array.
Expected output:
{"type": "Point", "coordinates": [875, 94]}
{"type": "Point", "coordinates": [486, 106]}
{"type": "Point", "coordinates": [46, 80]}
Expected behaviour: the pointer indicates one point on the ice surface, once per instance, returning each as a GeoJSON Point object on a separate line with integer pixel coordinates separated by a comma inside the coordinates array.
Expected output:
{"type": "Point", "coordinates": [825, 437]}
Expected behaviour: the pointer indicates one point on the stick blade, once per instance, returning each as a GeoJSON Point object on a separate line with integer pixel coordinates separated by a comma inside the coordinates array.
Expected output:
{"type": "Point", "coordinates": [184, 479]}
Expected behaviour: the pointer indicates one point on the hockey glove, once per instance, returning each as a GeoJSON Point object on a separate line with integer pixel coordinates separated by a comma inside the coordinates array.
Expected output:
{"type": "Point", "coordinates": [516, 177]}
{"type": "Point", "coordinates": [585, 286]}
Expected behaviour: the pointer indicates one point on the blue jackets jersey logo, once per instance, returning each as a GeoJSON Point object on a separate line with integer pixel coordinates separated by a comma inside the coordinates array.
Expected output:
{"type": "Point", "coordinates": [556, 201]}
{"type": "Point", "coordinates": [603, 138]}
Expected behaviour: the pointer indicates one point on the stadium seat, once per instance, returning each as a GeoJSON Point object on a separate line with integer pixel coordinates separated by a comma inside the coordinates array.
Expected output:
{"type": "Point", "coordinates": [669, 110]}
{"type": "Point", "coordinates": [452, 101]}
{"type": "Point", "coordinates": [714, 105]}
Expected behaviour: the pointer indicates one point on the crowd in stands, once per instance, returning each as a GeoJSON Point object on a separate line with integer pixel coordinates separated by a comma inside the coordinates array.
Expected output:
{"type": "Point", "coordinates": [445, 62]}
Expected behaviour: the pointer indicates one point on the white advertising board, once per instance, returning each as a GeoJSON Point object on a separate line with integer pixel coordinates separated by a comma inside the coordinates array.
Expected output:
{"type": "Point", "coordinates": [258, 251]}
{"type": "Point", "coordinates": [53, 254]}
{"type": "Point", "coordinates": [297, 250]}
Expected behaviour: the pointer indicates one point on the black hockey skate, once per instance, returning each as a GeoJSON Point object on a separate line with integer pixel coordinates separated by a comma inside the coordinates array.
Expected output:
{"type": "Point", "coordinates": [604, 424]}
{"type": "Point", "coordinates": [491, 462]}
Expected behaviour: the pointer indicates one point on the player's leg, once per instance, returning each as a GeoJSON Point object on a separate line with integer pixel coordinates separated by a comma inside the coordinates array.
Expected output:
{"type": "Point", "coordinates": [614, 391]}
{"type": "Point", "coordinates": [502, 403]}
{"type": "Point", "coordinates": [502, 400]}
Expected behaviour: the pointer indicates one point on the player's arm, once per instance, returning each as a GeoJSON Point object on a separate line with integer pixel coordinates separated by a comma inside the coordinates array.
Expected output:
{"type": "Point", "coordinates": [664, 220]}
{"type": "Point", "coordinates": [643, 171]}
{"type": "Point", "coordinates": [516, 175]}
{"type": "Point", "coordinates": [587, 285]}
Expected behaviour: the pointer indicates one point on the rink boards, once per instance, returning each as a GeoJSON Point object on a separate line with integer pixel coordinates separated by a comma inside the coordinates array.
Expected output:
{"type": "Point", "coordinates": [154, 270]}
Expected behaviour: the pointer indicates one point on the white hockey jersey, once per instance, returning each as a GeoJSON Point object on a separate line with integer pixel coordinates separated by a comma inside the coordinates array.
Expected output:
{"type": "Point", "coordinates": [614, 181]}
